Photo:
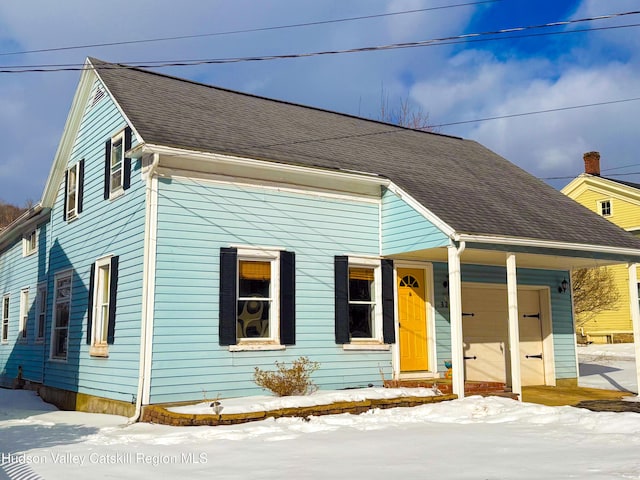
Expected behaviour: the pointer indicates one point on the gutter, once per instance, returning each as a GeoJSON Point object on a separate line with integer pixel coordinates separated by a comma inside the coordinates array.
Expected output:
{"type": "Point", "coordinates": [528, 242]}
{"type": "Point", "coordinates": [148, 290]}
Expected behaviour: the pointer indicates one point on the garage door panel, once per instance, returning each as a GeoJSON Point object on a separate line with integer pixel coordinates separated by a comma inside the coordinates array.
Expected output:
{"type": "Point", "coordinates": [485, 335]}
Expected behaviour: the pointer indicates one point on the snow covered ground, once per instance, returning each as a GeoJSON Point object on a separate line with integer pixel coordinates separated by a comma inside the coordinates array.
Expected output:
{"type": "Point", "coordinates": [474, 438]}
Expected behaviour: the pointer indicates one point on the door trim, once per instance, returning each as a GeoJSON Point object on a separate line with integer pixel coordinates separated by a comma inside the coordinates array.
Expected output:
{"type": "Point", "coordinates": [431, 327]}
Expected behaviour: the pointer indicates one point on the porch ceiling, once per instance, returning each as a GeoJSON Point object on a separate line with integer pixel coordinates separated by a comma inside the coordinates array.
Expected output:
{"type": "Point", "coordinates": [482, 256]}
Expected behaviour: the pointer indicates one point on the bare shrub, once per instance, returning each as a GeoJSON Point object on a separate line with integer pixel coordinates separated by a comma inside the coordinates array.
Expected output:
{"type": "Point", "coordinates": [287, 381]}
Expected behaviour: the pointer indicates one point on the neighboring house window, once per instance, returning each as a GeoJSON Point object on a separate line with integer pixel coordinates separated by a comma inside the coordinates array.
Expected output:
{"type": "Point", "coordinates": [5, 319]}
{"type": "Point", "coordinates": [117, 167]}
{"type": "Point", "coordinates": [24, 313]}
{"type": "Point", "coordinates": [103, 287]}
{"type": "Point", "coordinates": [364, 300]}
{"type": "Point", "coordinates": [604, 208]}
{"type": "Point", "coordinates": [30, 243]}
{"type": "Point", "coordinates": [61, 316]}
{"type": "Point", "coordinates": [73, 190]}
{"type": "Point", "coordinates": [41, 311]}
{"type": "Point", "coordinates": [257, 297]}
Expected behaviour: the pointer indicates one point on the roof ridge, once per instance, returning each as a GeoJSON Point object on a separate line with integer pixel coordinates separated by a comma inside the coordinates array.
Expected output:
{"type": "Point", "coordinates": [94, 61]}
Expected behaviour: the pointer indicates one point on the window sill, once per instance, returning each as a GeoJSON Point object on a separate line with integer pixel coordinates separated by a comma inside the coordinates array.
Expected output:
{"type": "Point", "coordinates": [372, 345]}
{"type": "Point", "coordinates": [101, 351]}
{"type": "Point", "coordinates": [116, 193]}
{"type": "Point", "coordinates": [252, 347]}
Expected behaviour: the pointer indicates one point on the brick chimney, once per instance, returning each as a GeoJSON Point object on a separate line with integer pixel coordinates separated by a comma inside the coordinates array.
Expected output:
{"type": "Point", "coordinates": [592, 163]}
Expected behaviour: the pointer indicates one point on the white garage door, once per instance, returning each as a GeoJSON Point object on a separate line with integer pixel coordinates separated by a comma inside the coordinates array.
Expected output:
{"type": "Point", "coordinates": [485, 335]}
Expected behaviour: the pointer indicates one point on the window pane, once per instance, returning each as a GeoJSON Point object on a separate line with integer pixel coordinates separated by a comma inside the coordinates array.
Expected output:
{"type": "Point", "coordinates": [361, 284]}
{"type": "Point", "coordinates": [116, 153]}
{"type": "Point", "coordinates": [253, 318]}
{"type": "Point", "coordinates": [361, 321]}
{"type": "Point", "coordinates": [255, 279]}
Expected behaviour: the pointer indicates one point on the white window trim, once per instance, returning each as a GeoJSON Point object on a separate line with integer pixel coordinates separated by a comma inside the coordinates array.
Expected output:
{"type": "Point", "coordinates": [600, 205]}
{"type": "Point", "coordinates": [23, 321]}
{"type": "Point", "coordinates": [27, 249]}
{"type": "Point", "coordinates": [6, 299]}
{"type": "Point", "coordinates": [99, 346]}
{"type": "Point", "coordinates": [41, 301]}
{"type": "Point", "coordinates": [376, 340]}
{"type": "Point", "coordinates": [118, 190]}
{"type": "Point", "coordinates": [56, 278]}
{"type": "Point", "coordinates": [72, 210]}
{"type": "Point", "coordinates": [272, 342]}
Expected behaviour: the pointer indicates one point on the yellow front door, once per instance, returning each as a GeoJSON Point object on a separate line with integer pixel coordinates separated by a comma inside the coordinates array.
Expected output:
{"type": "Point", "coordinates": [413, 320]}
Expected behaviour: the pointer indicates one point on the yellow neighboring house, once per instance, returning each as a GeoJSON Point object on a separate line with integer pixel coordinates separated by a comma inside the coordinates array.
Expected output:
{"type": "Point", "coordinates": [619, 202]}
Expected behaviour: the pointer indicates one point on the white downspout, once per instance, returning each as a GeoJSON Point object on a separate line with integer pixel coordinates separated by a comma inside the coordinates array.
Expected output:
{"type": "Point", "coordinates": [514, 328]}
{"type": "Point", "coordinates": [635, 316]}
{"type": "Point", "coordinates": [455, 317]}
{"type": "Point", "coordinates": [148, 288]}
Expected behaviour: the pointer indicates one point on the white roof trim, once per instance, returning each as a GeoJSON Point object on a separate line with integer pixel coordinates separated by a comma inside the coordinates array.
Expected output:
{"type": "Point", "coordinates": [528, 242]}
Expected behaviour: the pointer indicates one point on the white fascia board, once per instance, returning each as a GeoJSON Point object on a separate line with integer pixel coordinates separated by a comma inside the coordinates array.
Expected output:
{"type": "Point", "coordinates": [27, 221]}
{"type": "Point", "coordinates": [71, 127]}
{"type": "Point", "coordinates": [527, 242]}
{"type": "Point", "coordinates": [360, 177]}
{"type": "Point", "coordinates": [425, 212]}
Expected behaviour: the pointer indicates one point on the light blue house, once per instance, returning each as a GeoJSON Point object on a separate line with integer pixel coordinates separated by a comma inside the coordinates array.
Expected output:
{"type": "Point", "coordinates": [188, 234]}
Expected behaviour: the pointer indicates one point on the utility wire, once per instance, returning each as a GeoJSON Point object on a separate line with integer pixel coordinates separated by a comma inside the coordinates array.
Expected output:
{"type": "Point", "coordinates": [423, 43]}
{"type": "Point", "coordinates": [623, 166]}
{"type": "Point", "coordinates": [573, 107]}
{"type": "Point", "coordinates": [574, 176]}
{"type": "Point", "coordinates": [248, 30]}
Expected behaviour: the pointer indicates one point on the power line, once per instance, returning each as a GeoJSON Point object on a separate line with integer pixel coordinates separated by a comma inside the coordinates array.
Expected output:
{"type": "Point", "coordinates": [559, 109]}
{"type": "Point", "coordinates": [431, 42]}
{"type": "Point", "coordinates": [248, 30]}
{"type": "Point", "coordinates": [623, 166]}
{"type": "Point", "coordinates": [574, 176]}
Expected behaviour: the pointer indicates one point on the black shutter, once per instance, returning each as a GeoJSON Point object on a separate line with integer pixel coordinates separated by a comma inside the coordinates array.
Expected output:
{"type": "Point", "coordinates": [90, 303]}
{"type": "Point", "coordinates": [287, 298]}
{"type": "Point", "coordinates": [388, 304]}
{"type": "Point", "coordinates": [64, 203]}
{"type": "Point", "coordinates": [126, 180]}
{"type": "Point", "coordinates": [342, 299]}
{"type": "Point", "coordinates": [113, 290]}
{"type": "Point", "coordinates": [107, 168]}
{"type": "Point", "coordinates": [228, 315]}
{"type": "Point", "coordinates": [80, 187]}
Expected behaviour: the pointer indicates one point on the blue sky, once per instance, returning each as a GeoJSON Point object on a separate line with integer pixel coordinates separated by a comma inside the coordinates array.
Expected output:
{"type": "Point", "coordinates": [453, 83]}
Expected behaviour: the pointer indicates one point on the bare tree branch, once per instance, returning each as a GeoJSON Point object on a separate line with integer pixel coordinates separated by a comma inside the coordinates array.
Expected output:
{"type": "Point", "coordinates": [594, 291]}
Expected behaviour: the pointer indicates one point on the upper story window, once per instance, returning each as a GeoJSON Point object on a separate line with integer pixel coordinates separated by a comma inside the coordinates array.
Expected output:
{"type": "Point", "coordinates": [30, 243]}
{"type": "Point", "coordinates": [73, 190]}
{"type": "Point", "coordinates": [117, 167]}
{"type": "Point", "coordinates": [604, 208]}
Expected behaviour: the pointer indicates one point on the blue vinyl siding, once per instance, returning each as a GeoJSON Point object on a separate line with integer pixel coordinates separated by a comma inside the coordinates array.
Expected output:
{"type": "Point", "coordinates": [16, 273]}
{"type": "Point", "coordinates": [196, 219]}
{"type": "Point", "coordinates": [406, 230]}
{"type": "Point", "coordinates": [105, 227]}
{"type": "Point", "coordinates": [562, 322]}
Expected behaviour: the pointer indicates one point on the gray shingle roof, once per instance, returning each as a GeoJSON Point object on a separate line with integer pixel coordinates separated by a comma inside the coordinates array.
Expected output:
{"type": "Point", "coordinates": [469, 187]}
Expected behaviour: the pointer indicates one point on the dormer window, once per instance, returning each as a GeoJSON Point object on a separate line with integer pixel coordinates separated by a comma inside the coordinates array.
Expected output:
{"type": "Point", "coordinates": [604, 208]}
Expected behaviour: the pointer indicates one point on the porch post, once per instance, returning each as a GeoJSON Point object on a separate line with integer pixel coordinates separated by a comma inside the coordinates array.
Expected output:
{"type": "Point", "coordinates": [514, 331]}
{"type": "Point", "coordinates": [635, 315]}
{"type": "Point", "coordinates": [455, 317]}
